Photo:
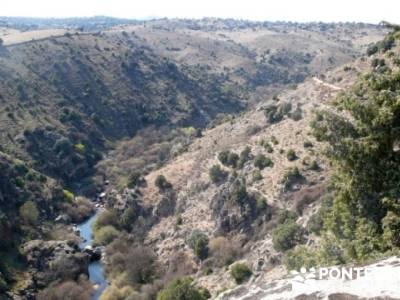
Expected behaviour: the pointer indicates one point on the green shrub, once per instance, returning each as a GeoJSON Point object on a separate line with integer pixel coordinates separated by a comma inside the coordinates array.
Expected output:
{"type": "Point", "coordinates": [267, 146]}
{"type": "Point", "coordinates": [244, 157]}
{"type": "Point", "coordinates": [179, 220]}
{"type": "Point", "coordinates": [240, 272]}
{"type": "Point", "coordinates": [291, 176]}
{"type": "Point", "coordinates": [257, 176]}
{"type": "Point", "coordinates": [274, 140]}
{"type": "Point", "coordinates": [29, 212]}
{"type": "Point", "coordinates": [228, 158]}
{"type": "Point", "coordinates": [287, 235]}
{"type": "Point", "coordinates": [105, 218]}
{"type": "Point", "coordinates": [162, 183]}
{"type": "Point", "coordinates": [261, 203]}
{"type": "Point", "coordinates": [68, 196]}
{"type": "Point", "coordinates": [285, 216]}
{"type": "Point", "coordinates": [315, 223]}
{"type": "Point", "coordinates": [217, 175]}
{"type": "Point", "coordinates": [372, 49]}
{"type": "Point", "coordinates": [239, 194]}
{"type": "Point", "coordinates": [314, 165]}
{"type": "Point", "coordinates": [128, 218]}
{"type": "Point", "coordinates": [183, 289]}
{"type": "Point", "coordinates": [223, 157]}
{"type": "Point", "coordinates": [273, 114]}
{"type": "Point", "coordinates": [105, 235]}
{"type": "Point", "coordinates": [198, 241]}
{"type": "Point", "coordinates": [307, 144]}
{"type": "Point", "coordinates": [80, 148]}
{"type": "Point", "coordinates": [300, 257]}
{"type": "Point", "coordinates": [261, 162]}
{"type": "Point", "coordinates": [134, 179]}
{"type": "Point", "coordinates": [291, 155]}
{"type": "Point", "coordinates": [19, 182]}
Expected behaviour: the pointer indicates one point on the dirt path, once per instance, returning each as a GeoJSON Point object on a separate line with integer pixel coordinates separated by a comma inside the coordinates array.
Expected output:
{"type": "Point", "coordinates": [328, 85]}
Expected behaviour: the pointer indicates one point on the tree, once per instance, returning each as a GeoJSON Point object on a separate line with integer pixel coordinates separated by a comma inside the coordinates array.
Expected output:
{"type": "Point", "coordinates": [198, 241]}
{"type": "Point", "coordinates": [285, 216]}
{"type": "Point", "coordinates": [134, 179]}
{"type": "Point", "coordinates": [162, 183]}
{"type": "Point", "coordinates": [300, 257]}
{"type": "Point", "coordinates": [287, 235]}
{"type": "Point", "coordinates": [261, 162]}
{"type": "Point", "coordinates": [245, 156]}
{"type": "Point", "coordinates": [362, 146]}
{"type": "Point", "coordinates": [217, 174]}
{"type": "Point", "coordinates": [291, 176]}
{"type": "Point", "coordinates": [291, 155]}
{"type": "Point", "coordinates": [239, 194]}
{"type": "Point", "coordinates": [228, 158]}
{"type": "Point", "coordinates": [182, 289]}
{"type": "Point", "coordinates": [240, 272]}
{"type": "Point", "coordinates": [29, 212]}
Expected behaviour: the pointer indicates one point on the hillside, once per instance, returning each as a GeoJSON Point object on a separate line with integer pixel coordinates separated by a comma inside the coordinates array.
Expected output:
{"type": "Point", "coordinates": [214, 209]}
{"type": "Point", "coordinates": [253, 194]}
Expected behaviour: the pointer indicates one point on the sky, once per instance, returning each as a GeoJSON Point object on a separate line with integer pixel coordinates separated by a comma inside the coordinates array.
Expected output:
{"type": "Point", "coordinates": [260, 10]}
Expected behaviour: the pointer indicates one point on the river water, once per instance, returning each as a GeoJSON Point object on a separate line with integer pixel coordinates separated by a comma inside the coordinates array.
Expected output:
{"type": "Point", "coordinates": [96, 274]}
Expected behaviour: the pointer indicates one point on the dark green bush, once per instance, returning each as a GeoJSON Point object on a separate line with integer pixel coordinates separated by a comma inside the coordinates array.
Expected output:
{"type": "Point", "coordinates": [285, 216]}
{"type": "Point", "coordinates": [291, 176]}
{"type": "Point", "coordinates": [183, 289]}
{"type": "Point", "coordinates": [287, 235]}
{"type": "Point", "coordinates": [240, 272]}
{"type": "Point", "coordinates": [291, 155]}
{"type": "Point", "coordinates": [105, 235]}
{"type": "Point", "coordinates": [245, 156]}
{"type": "Point", "coordinates": [228, 158]}
{"type": "Point", "coordinates": [307, 144]}
{"type": "Point", "coordinates": [300, 257]}
{"type": "Point", "coordinates": [162, 183]}
{"type": "Point", "coordinates": [239, 194]}
{"type": "Point", "coordinates": [261, 162]}
{"type": "Point", "coordinates": [134, 179]}
{"type": "Point", "coordinates": [217, 175]}
{"type": "Point", "coordinates": [198, 241]}
{"type": "Point", "coordinates": [257, 176]}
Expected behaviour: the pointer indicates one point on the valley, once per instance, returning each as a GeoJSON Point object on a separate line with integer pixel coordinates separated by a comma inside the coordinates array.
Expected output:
{"type": "Point", "coordinates": [206, 141]}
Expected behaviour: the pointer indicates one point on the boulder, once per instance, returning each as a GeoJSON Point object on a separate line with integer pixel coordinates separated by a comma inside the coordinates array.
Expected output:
{"type": "Point", "coordinates": [94, 253]}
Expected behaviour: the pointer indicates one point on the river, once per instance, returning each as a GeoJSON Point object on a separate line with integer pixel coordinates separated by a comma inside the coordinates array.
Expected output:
{"type": "Point", "coordinates": [96, 274]}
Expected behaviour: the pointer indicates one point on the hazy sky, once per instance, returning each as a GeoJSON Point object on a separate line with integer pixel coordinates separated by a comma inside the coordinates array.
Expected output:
{"type": "Point", "coordinates": [290, 10]}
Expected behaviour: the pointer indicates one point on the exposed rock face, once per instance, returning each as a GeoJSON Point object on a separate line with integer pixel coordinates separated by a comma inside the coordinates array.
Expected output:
{"type": "Point", "coordinates": [55, 260]}
{"type": "Point", "coordinates": [380, 280]}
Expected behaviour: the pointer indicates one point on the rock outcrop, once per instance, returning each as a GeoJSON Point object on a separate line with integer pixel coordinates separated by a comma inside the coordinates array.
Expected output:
{"type": "Point", "coordinates": [55, 260]}
{"type": "Point", "coordinates": [380, 280]}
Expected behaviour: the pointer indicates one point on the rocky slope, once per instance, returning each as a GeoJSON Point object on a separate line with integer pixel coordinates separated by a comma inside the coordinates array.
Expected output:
{"type": "Point", "coordinates": [380, 282]}
{"type": "Point", "coordinates": [277, 128]}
